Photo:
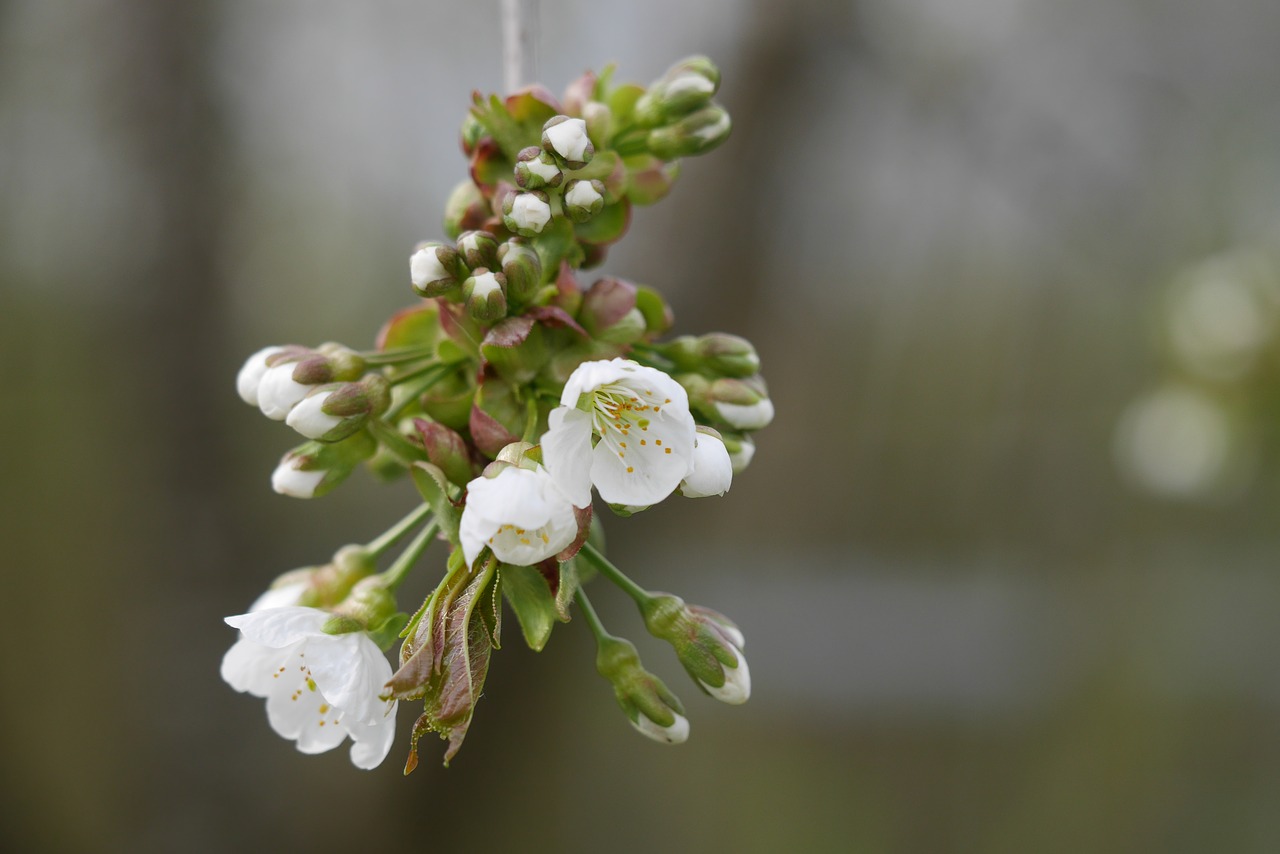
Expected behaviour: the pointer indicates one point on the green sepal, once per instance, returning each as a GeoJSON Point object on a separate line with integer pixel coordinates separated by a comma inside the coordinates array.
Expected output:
{"type": "Point", "coordinates": [606, 227]}
{"type": "Point", "coordinates": [525, 589]}
{"type": "Point", "coordinates": [622, 101]}
{"type": "Point", "coordinates": [516, 124]}
{"type": "Point", "coordinates": [340, 624]}
{"type": "Point", "coordinates": [388, 631]}
{"type": "Point", "coordinates": [433, 486]}
{"type": "Point", "coordinates": [556, 243]}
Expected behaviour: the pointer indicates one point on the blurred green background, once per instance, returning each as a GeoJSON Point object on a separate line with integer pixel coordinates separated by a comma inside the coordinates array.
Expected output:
{"type": "Point", "coordinates": [949, 228]}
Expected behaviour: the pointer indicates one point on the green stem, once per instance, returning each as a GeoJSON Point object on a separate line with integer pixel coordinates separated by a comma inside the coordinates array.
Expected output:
{"type": "Point", "coordinates": [611, 572]}
{"type": "Point", "coordinates": [414, 373]}
{"type": "Point", "coordinates": [592, 618]}
{"type": "Point", "coordinates": [397, 571]}
{"type": "Point", "coordinates": [396, 356]}
{"type": "Point", "coordinates": [396, 443]}
{"type": "Point", "coordinates": [397, 531]}
{"type": "Point", "coordinates": [415, 392]}
{"type": "Point", "coordinates": [530, 419]}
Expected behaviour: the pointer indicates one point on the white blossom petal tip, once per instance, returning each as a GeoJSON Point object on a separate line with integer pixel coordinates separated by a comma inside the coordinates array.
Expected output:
{"type": "Point", "coordinates": [294, 482]}
{"type": "Point", "coordinates": [736, 689]}
{"type": "Point", "coordinates": [677, 733]}
{"type": "Point", "coordinates": [712, 468]}
{"type": "Point", "coordinates": [250, 376]}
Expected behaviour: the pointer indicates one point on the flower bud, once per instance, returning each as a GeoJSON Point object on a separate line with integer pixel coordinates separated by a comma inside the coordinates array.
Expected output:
{"type": "Point", "coordinates": [567, 140]}
{"type": "Point", "coordinates": [335, 411]}
{"type": "Point", "coordinates": [609, 312]}
{"type": "Point", "coordinates": [250, 376]}
{"type": "Point", "coordinates": [523, 269]}
{"type": "Point", "coordinates": [536, 169]}
{"type": "Point", "coordinates": [685, 87]}
{"type": "Point", "coordinates": [741, 449]}
{"type": "Point", "coordinates": [478, 249]}
{"type": "Point", "coordinates": [526, 213]}
{"type": "Point", "coordinates": [319, 586]}
{"type": "Point", "coordinates": [707, 644]}
{"type": "Point", "coordinates": [696, 133]}
{"type": "Point", "coordinates": [583, 199]}
{"type": "Point", "coordinates": [599, 119]}
{"type": "Point", "coordinates": [485, 296]}
{"type": "Point", "coordinates": [712, 469]}
{"type": "Point", "coordinates": [741, 403]}
{"type": "Point", "coordinates": [446, 450]}
{"type": "Point", "coordinates": [653, 710]}
{"type": "Point", "coordinates": [471, 132]}
{"type": "Point", "coordinates": [466, 208]}
{"type": "Point", "coordinates": [312, 469]}
{"type": "Point", "coordinates": [434, 269]}
{"type": "Point", "coordinates": [368, 605]}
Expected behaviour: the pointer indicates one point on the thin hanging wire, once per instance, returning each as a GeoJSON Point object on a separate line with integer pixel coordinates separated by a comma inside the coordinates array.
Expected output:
{"type": "Point", "coordinates": [519, 43]}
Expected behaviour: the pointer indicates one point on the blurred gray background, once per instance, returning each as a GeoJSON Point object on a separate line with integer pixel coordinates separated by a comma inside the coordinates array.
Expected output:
{"type": "Point", "coordinates": [946, 225]}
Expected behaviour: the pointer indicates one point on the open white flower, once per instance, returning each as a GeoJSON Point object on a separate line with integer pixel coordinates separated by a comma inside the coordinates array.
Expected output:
{"type": "Point", "coordinates": [320, 688]}
{"type": "Point", "coordinates": [646, 434]}
{"type": "Point", "coordinates": [520, 514]}
{"type": "Point", "coordinates": [712, 469]}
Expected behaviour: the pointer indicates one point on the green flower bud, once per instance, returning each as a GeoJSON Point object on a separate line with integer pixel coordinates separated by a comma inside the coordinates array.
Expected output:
{"type": "Point", "coordinates": [333, 412]}
{"type": "Point", "coordinates": [312, 469]}
{"type": "Point", "coordinates": [567, 140]}
{"type": "Point", "coordinates": [609, 312]}
{"type": "Point", "coordinates": [715, 354]}
{"type": "Point", "coordinates": [478, 249]}
{"type": "Point", "coordinates": [599, 119]}
{"type": "Point", "coordinates": [446, 450]}
{"type": "Point", "coordinates": [658, 317]}
{"type": "Point", "coordinates": [708, 645]}
{"type": "Point", "coordinates": [369, 605]}
{"type": "Point", "coordinates": [472, 132]}
{"type": "Point", "coordinates": [583, 199]}
{"type": "Point", "coordinates": [319, 586]}
{"type": "Point", "coordinates": [434, 269]}
{"type": "Point", "coordinates": [485, 296]}
{"type": "Point", "coordinates": [685, 87]}
{"type": "Point", "coordinates": [653, 710]}
{"type": "Point", "coordinates": [742, 404]}
{"type": "Point", "coordinates": [527, 214]}
{"type": "Point", "coordinates": [536, 169]}
{"type": "Point", "coordinates": [696, 133]}
{"type": "Point", "coordinates": [523, 269]}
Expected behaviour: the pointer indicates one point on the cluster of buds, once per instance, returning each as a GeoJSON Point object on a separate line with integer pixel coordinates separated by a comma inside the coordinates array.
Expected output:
{"type": "Point", "coordinates": [511, 395]}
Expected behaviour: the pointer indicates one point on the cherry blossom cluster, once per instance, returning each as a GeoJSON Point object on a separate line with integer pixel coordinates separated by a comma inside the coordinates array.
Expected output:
{"type": "Point", "coordinates": [516, 398]}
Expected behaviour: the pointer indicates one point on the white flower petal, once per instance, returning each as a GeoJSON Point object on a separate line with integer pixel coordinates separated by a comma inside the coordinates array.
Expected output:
{"type": "Point", "coordinates": [288, 480]}
{"type": "Point", "coordinates": [425, 267]}
{"type": "Point", "coordinates": [251, 374]}
{"type": "Point", "coordinates": [569, 139]}
{"type": "Point", "coordinates": [736, 689]}
{"type": "Point", "coordinates": [530, 212]}
{"type": "Point", "coordinates": [373, 742]}
{"type": "Point", "coordinates": [640, 474]}
{"type": "Point", "coordinates": [296, 703]}
{"type": "Point", "coordinates": [278, 393]}
{"type": "Point", "coordinates": [280, 627]}
{"type": "Point", "coordinates": [589, 376]}
{"type": "Point", "coordinates": [747, 417]}
{"type": "Point", "coordinates": [253, 668]}
{"type": "Point", "coordinates": [351, 671]}
{"type": "Point", "coordinates": [520, 514]}
{"type": "Point", "coordinates": [712, 469]}
{"type": "Point", "coordinates": [566, 452]}
{"type": "Point", "coordinates": [677, 733]}
{"type": "Point", "coordinates": [582, 195]}
{"type": "Point", "coordinates": [309, 418]}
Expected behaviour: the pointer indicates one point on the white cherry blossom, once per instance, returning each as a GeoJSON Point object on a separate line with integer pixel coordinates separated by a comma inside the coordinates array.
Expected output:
{"type": "Point", "coordinates": [520, 514]}
{"type": "Point", "coordinates": [645, 430]}
{"type": "Point", "coordinates": [320, 688]}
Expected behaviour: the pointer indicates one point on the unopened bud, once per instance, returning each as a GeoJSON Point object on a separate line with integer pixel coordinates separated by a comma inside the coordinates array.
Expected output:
{"type": "Point", "coordinates": [741, 403]}
{"type": "Point", "coordinates": [658, 317]}
{"type": "Point", "coordinates": [478, 249]}
{"type": "Point", "coordinates": [523, 269]}
{"type": "Point", "coordinates": [599, 119]}
{"type": "Point", "coordinates": [466, 208]}
{"type": "Point", "coordinates": [446, 450]}
{"type": "Point", "coordinates": [250, 376]}
{"type": "Point", "coordinates": [485, 296]}
{"type": "Point", "coordinates": [536, 169]}
{"type": "Point", "coordinates": [472, 131]}
{"type": "Point", "coordinates": [526, 213]}
{"type": "Point", "coordinates": [709, 652]}
{"type": "Point", "coordinates": [335, 411]}
{"type": "Point", "coordinates": [715, 354]}
{"type": "Point", "coordinates": [696, 133]}
{"type": "Point", "coordinates": [368, 605]}
{"type": "Point", "coordinates": [567, 139]}
{"type": "Point", "coordinates": [319, 586]}
{"type": "Point", "coordinates": [741, 449]}
{"type": "Point", "coordinates": [609, 312]}
{"type": "Point", "coordinates": [653, 710]}
{"type": "Point", "coordinates": [686, 86]}
{"type": "Point", "coordinates": [312, 469]}
{"type": "Point", "coordinates": [583, 199]}
{"type": "Point", "coordinates": [293, 372]}
{"type": "Point", "coordinates": [434, 269]}
{"type": "Point", "coordinates": [712, 469]}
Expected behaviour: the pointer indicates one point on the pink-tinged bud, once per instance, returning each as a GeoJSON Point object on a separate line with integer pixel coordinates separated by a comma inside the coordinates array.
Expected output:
{"type": "Point", "coordinates": [567, 140]}
{"type": "Point", "coordinates": [333, 412]}
{"type": "Point", "coordinates": [527, 214]}
{"type": "Point", "coordinates": [583, 199]}
{"type": "Point", "coordinates": [446, 450]}
{"type": "Point", "coordinates": [609, 312]}
{"type": "Point", "coordinates": [434, 269]}
{"type": "Point", "coordinates": [535, 169]}
{"type": "Point", "coordinates": [579, 92]}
